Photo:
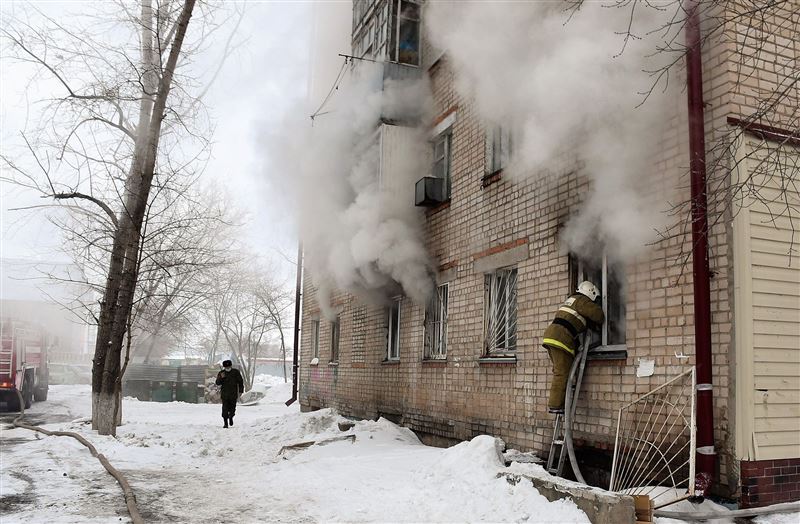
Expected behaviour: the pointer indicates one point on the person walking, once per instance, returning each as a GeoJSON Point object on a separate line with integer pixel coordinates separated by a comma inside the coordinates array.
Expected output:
{"type": "Point", "coordinates": [577, 314]}
{"type": "Point", "coordinates": [232, 386]}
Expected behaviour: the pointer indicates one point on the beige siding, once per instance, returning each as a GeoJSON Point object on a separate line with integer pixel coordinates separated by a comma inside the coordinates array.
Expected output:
{"type": "Point", "coordinates": [767, 290]}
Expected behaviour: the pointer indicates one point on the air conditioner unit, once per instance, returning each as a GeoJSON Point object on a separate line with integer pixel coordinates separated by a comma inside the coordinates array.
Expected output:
{"type": "Point", "coordinates": [429, 191]}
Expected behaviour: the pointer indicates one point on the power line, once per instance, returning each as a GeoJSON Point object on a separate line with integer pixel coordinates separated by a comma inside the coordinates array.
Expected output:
{"type": "Point", "coordinates": [333, 88]}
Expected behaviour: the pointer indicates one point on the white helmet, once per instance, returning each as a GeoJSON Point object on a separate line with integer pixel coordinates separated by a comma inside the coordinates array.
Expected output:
{"type": "Point", "coordinates": [588, 289]}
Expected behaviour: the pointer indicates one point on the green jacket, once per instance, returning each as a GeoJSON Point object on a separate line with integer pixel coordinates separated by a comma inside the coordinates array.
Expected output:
{"type": "Point", "coordinates": [575, 316]}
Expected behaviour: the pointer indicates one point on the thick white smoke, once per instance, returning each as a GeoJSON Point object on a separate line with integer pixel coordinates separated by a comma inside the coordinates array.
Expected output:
{"type": "Point", "coordinates": [361, 233]}
{"type": "Point", "coordinates": [567, 92]}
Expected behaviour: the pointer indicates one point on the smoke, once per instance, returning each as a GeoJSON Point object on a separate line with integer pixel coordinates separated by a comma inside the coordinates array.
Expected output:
{"type": "Point", "coordinates": [570, 96]}
{"type": "Point", "coordinates": [357, 220]}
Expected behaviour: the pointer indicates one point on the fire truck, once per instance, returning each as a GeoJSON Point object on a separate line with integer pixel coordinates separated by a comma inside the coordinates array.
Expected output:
{"type": "Point", "coordinates": [23, 363]}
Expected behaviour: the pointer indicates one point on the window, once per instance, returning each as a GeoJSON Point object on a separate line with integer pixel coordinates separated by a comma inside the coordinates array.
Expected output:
{"type": "Point", "coordinates": [500, 292]}
{"type": "Point", "coordinates": [499, 146]}
{"type": "Point", "coordinates": [441, 161]}
{"type": "Point", "coordinates": [436, 325]}
{"type": "Point", "coordinates": [609, 279]}
{"type": "Point", "coordinates": [393, 331]}
{"type": "Point", "coordinates": [387, 30]}
{"type": "Point", "coordinates": [335, 325]}
{"type": "Point", "coordinates": [315, 339]}
{"type": "Point", "coordinates": [408, 33]}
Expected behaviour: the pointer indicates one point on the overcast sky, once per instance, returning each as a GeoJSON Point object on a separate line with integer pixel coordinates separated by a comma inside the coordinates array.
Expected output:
{"type": "Point", "coordinates": [256, 86]}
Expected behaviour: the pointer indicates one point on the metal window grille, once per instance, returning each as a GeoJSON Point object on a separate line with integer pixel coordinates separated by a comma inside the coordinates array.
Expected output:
{"type": "Point", "coordinates": [501, 311]}
{"type": "Point", "coordinates": [436, 324]}
{"type": "Point", "coordinates": [654, 451]}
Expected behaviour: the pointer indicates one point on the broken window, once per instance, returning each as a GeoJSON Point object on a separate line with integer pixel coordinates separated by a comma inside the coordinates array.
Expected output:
{"type": "Point", "coordinates": [498, 148]}
{"type": "Point", "coordinates": [500, 292]}
{"type": "Point", "coordinates": [441, 162]}
{"type": "Point", "coordinates": [335, 326]}
{"type": "Point", "coordinates": [314, 339]}
{"type": "Point", "coordinates": [609, 279]}
{"type": "Point", "coordinates": [436, 325]}
{"type": "Point", "coordinates": [393, 331]}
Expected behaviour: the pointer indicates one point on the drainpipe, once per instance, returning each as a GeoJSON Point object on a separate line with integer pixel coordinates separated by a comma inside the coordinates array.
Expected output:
{"type": "Point", "coordinates": [297, 297]}
{"type": "Point", "coordinates": [705, 456]}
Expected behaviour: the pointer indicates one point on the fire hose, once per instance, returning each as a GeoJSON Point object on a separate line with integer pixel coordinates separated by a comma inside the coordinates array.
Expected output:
{"type": "Point", "coordinates": [130, 497]}
{"type": "Point", "coordinates": [571, 403]}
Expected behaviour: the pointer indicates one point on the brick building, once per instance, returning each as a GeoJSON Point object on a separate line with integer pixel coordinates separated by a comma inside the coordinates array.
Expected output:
{"type": "Point", "coordinates": [472, 363]}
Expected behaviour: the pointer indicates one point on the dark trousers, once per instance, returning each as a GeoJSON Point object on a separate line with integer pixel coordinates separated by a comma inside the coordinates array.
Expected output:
{"type": "Point", "coordinates": [228, 408]}
{"type": "Point", "coordinates": [562, 362]}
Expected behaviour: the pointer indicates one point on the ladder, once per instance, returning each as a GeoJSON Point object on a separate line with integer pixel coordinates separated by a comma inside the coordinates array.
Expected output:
{"type": "Point", "coordinates": [6, 356]}
{"type": "Point", "coordinates": [560, 446]}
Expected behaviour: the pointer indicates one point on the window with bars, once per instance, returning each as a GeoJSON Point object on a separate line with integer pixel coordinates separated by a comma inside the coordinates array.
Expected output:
{"type": "Point", "coordinates": [315, 339]}
{"type": "Point", "coordinates": [500, 299]}
{"type": "Point", "coordinates": [393, 331]}
{"type": "Point", "coordinates": [436, 325]}
{"type": "Point", "coordinates": [335, 329]}
{"type": "Point", "coordinates": [609, 279]}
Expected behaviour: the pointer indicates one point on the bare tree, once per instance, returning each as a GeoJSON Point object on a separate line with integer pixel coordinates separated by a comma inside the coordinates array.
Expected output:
{"type": "Point", "coordinates": [115, 120]}
{"type": "Point", "coordinates": [247, 311]}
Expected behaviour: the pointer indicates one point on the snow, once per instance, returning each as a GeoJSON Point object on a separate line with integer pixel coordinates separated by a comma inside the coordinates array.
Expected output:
{"type": "Point", "coordinates": [184, 467]}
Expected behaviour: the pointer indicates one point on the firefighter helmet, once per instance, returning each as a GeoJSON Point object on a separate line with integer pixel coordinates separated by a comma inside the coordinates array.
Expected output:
{"type": "Point", "coordinates": [588, 289]}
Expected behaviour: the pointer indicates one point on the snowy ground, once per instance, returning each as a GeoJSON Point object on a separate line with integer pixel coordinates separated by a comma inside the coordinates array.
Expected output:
{"type": "Point", "coordinates": [185, 467]}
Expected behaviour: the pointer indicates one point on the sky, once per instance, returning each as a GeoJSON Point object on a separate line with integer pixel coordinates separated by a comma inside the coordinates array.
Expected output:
{"type": "Point", "coordinates": [266, 73]}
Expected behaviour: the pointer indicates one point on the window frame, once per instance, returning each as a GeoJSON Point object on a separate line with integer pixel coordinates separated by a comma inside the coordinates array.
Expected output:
{"type": "Point", "coordinates": [578, 274]}
{"type": "Point", "coordinates": [510, 306]}
{"type": "Point", "coordinates": [397, 17]}
{"type": "Point", "coordinates": [499, 137]}
{"type": "Point", "coordinates": [315, 332]}
{"type": "Point", "coordinates": [336, 327]}
{"type": "Point", "coordinates": [445, 137]}
{"type": "Point", "coordinates": [437, 351]}
{"type": "Point", "coordinates": [393, 336]}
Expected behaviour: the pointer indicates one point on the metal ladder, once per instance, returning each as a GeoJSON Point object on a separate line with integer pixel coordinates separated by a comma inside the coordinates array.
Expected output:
{"type": "Point", "coordinates": [562, 434]}
{"type": "Point", "coordinates": [6, 356]}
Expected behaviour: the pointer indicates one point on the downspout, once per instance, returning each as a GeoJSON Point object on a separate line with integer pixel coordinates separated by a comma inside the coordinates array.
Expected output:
{"type": "Point", "coordinates": [705, 455]}
{"type": "Point", "coordinates": [297, 298]}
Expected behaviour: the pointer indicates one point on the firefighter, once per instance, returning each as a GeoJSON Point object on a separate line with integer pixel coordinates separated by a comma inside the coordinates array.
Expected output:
{"type": "Point", "coordinates": [232, 387]}
{"type": "Point", "coordinates": [578, 313]}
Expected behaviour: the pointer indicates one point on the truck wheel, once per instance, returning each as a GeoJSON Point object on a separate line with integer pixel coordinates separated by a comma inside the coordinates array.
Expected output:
{"type": "Point", "coordinates": [40, 394]}
{"type": "Point", "coordinates": [12, 401]}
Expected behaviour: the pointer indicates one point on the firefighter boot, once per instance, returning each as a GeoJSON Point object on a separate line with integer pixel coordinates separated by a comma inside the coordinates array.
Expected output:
{"type": "Point", "coordinates": [230, 421]}
{"type": "Point", "coordinates": [226, 422]}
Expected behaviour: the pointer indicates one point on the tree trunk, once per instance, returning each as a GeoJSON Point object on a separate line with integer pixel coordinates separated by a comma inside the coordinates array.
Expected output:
{"type": "Point", "coordinates": [122, 274]}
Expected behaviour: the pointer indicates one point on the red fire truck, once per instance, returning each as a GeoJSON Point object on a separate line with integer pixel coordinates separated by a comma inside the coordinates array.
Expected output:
{"type": "Point", "coordinates": [23, 363]}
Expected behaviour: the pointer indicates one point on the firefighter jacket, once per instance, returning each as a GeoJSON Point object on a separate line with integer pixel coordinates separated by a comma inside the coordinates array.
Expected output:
{"type": "Point", "coordinates": [232, 384]}
{"type": "Point", "coordinates": [575, 316]}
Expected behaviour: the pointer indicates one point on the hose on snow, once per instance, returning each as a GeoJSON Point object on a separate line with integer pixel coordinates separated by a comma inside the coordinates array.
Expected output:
{"type": "Point", "coordinates": [130, 497]}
